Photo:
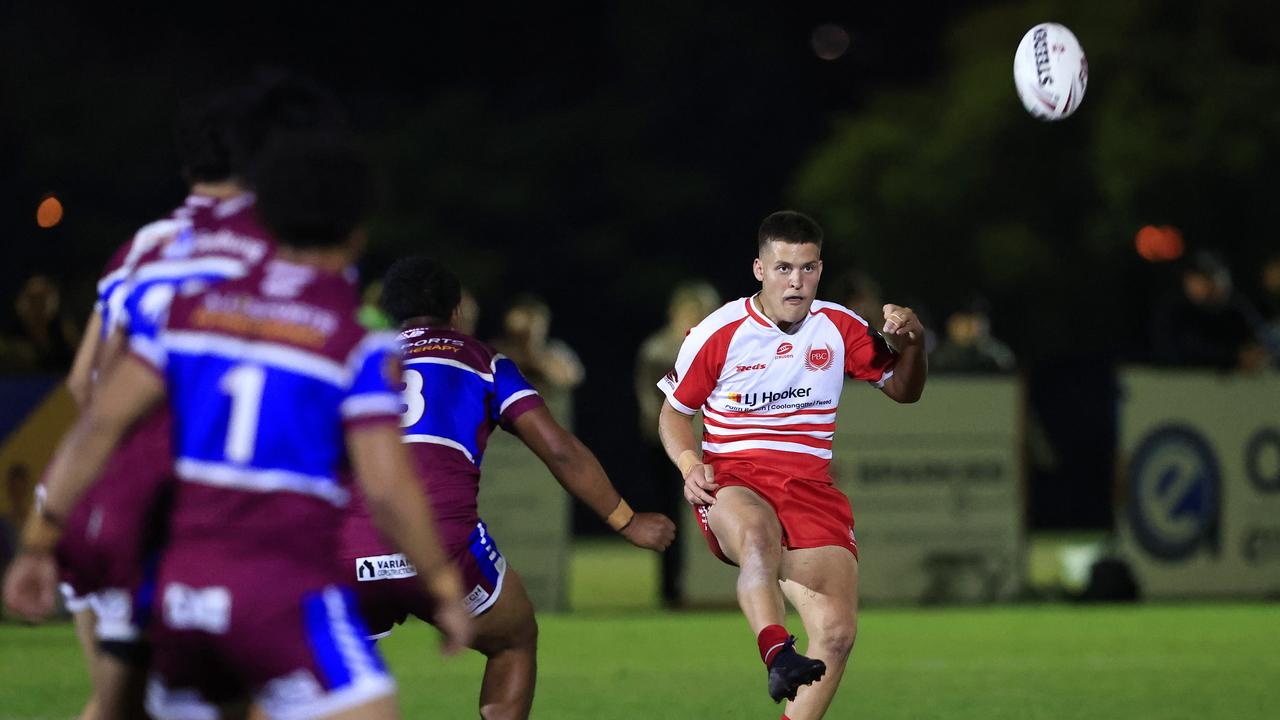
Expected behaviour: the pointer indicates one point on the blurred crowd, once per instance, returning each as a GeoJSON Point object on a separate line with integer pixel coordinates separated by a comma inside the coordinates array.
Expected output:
{"type": "Point", "coordinates": [1207, 322]}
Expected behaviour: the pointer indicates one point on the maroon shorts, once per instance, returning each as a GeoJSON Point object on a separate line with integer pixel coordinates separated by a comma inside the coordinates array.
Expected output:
{"type": "Point", "coordinates": [237, 626]}
{"type": "Point", "coordinates": [117, 524]}
{"type": "Point", "coordinates": [812, 513]}
{"type": "Point", "coordinates": [388, 589]}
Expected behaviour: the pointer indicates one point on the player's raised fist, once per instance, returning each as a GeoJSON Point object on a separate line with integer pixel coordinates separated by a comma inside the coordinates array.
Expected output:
{"type": "Point", "coordinates": [652, 531]}
{"type": "Point", "coordinates": [902, 323]}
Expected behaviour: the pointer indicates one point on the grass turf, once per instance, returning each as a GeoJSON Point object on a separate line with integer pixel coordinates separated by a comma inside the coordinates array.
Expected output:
{"type": "Point", "coordinates": [618, 658]}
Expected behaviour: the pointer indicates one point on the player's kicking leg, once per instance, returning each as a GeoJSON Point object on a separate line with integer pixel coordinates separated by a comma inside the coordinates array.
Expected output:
{"type": "Point", "coordinates": [751, 536]}
{"type": "Point", "coordinates": [822, 584]}
{"type": "Point", "coordinates": [507, 635]}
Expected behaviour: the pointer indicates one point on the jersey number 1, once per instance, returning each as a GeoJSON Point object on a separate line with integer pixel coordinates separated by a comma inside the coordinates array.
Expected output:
{"type": "Point", "coordinates": [244, 384]}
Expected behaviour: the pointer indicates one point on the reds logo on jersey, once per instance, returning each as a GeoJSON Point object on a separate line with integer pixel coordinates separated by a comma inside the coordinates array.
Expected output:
{"type": "Point", "coordinates": [818, 359]}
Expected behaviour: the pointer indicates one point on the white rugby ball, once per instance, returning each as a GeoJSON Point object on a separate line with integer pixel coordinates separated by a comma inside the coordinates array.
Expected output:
{"type": "Point", "coordinates": [1050, 71]}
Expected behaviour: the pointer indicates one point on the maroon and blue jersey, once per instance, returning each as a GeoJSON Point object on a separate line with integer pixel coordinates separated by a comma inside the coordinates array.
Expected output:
{"type": "Point", "coordinates": [113, 286]}
{"type": "Point", "coordinates": [116, 524]}
{"type": "Point", "coordinates": [457, 391]}
{"type": "Point", "coordinates": [263, 373]}
{"type": "Point", "coordinates": [206, 240]}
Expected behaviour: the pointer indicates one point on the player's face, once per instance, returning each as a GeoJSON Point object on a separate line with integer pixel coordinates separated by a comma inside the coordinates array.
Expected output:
{"type": "Point", "coordinates": [788, 274]}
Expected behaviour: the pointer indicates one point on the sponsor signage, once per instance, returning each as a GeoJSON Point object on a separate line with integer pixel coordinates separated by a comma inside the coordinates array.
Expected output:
{"type": "Point", "coordinates": [1199, 483]}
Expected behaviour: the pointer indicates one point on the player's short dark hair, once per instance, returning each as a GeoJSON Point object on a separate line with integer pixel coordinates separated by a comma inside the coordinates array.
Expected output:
{"type": "Point", "coordinates": [202, 136]}
{"type": "Point", "coordinates": [417, 286]}
{"type": "Point", "coordinates": [788, 226]}
{"type": "Point", "coordinates": [277, 102]}
{"type": "Point", "coordinates": [314, 189]}
{"type": "Point", "coordinates": [220, 134]}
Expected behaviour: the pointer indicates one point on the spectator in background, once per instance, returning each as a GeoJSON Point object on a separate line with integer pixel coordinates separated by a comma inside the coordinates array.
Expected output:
{"type": "Point", "coordinates": [549, 364]}
{"type": "Point", "coordinates": [690, 302]}
{"type": "Point", "coordinates": [1269, 276]}
{"type": "Point", "coordinates": [860, 292]}
{"type": "Point", "coordinates": [468, 313]}
{"type": "Point", "coordinates": [19, 491]}
{"type": "Point", "coordinates": [970, 347]}
{"type": "Point", "coordinates": [44, 339]}
{"type": "Point", "coordinates": [1207, 324]}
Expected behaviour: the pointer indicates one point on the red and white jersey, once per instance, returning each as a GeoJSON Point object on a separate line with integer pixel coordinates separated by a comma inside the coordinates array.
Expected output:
{"type": "Point", "coordinates": [769, 397]}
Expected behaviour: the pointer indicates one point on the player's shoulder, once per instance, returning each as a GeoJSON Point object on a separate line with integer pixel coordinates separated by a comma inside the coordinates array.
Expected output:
{"type": "Point", "coordinates": [839, 315]}
{"type": "Point", "coordinates": [431, 344]}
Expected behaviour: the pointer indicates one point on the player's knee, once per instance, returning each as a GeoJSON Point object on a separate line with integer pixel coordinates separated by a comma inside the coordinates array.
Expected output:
{"type": "Point", "coordinates": [836, 638]}
{"type": "Point", "coordinates": [760, 543]}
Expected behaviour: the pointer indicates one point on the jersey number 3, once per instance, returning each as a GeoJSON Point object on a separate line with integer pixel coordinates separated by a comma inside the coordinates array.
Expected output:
{"type": "Point", "coordinates": [415, 403]}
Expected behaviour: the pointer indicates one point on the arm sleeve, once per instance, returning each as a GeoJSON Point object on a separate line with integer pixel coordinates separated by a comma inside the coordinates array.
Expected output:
{"type": "Point", "coordinates": [513, 394]}
{"type": "Point", "coordinates": [374, 395]}
{"type": "Point", "coordinates": [145, 327]}
{"type": "Point", "coordinates": [866, 354]}
{"type": "Point", "coordinates": [698, 366]}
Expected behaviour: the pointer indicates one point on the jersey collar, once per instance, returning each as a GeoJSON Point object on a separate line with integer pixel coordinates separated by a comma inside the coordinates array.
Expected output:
{"type": "Point", "coordinates": [764, 322]}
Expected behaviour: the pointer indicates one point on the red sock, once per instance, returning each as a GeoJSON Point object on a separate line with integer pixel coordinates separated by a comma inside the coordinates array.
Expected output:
{"type": "Point", "coordinates": [771, 639]}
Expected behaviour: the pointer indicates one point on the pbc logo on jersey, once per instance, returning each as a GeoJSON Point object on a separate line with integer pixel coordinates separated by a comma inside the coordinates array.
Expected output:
{"type": "Point", "coordinates": [749, 368]}
{"type": "Point", "coordinates": [818, 359]}
{"type": "Point", "coordinates": [784, 350]}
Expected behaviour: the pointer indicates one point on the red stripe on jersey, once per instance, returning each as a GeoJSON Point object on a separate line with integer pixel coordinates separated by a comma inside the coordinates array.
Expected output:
{"type": "Point", "coordinates": [819, 411]}
{"type": "Point", "coordinates": [704, 371]}
{"type": "Point", "coordinates": [866, 355]}
{"type": "Point", "coordinates": [821, 443]}
{"type": "Point", "coordinates": [789, 427]}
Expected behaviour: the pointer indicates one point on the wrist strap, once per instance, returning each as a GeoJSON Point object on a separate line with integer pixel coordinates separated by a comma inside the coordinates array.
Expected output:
{"type": "Point", "coordinates": [686, 461]}
{"type": "Point", "coordinates": [621, 516]}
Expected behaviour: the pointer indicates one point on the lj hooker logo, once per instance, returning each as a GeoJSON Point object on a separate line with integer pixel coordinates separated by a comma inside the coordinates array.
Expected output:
{"type": "Point", "coordinates": [818, 359]}
{"type": "Point", "coordinates": [752, 399]}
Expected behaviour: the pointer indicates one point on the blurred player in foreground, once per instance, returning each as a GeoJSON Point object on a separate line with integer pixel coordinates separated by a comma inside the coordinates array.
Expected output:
{"type": "Point", "coordinates": [767, 372]}
{"type": "Point", "coordinates": [264, 376]}
{"type": "Point", "coordinates": [213, 236]}
{"type": "Point", "coordinates": [457, 392]}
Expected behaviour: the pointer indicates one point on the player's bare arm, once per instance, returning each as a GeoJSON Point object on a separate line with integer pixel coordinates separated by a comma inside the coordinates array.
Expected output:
{"type": "Point", "coordinates": [903, 331]}
{"type": "Point", "coordinates": [399, 508]}
{"type": "Point", "coordinates": [578, 471]}
{"type": "Point", "coordinates": [676, 431]}
{"type": "Point", "coordinates": [128, 392]}
{"type": "Point", "coordinates": [80, 379]}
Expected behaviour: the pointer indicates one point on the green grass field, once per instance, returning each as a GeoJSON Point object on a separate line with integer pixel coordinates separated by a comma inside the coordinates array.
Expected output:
{"type": "Point", "coordinates": [1041, 661]}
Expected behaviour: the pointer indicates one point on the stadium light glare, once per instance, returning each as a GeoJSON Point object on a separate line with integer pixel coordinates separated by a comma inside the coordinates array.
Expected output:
{"type": "Point", "coordinates": [49, 211]}
{"type": "Point", "coordinates": [1159, 243]}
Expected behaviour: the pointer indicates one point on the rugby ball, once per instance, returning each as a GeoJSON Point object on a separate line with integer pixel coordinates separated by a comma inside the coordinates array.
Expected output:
{"type": "Point", "coordinates": [1050, 71]}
